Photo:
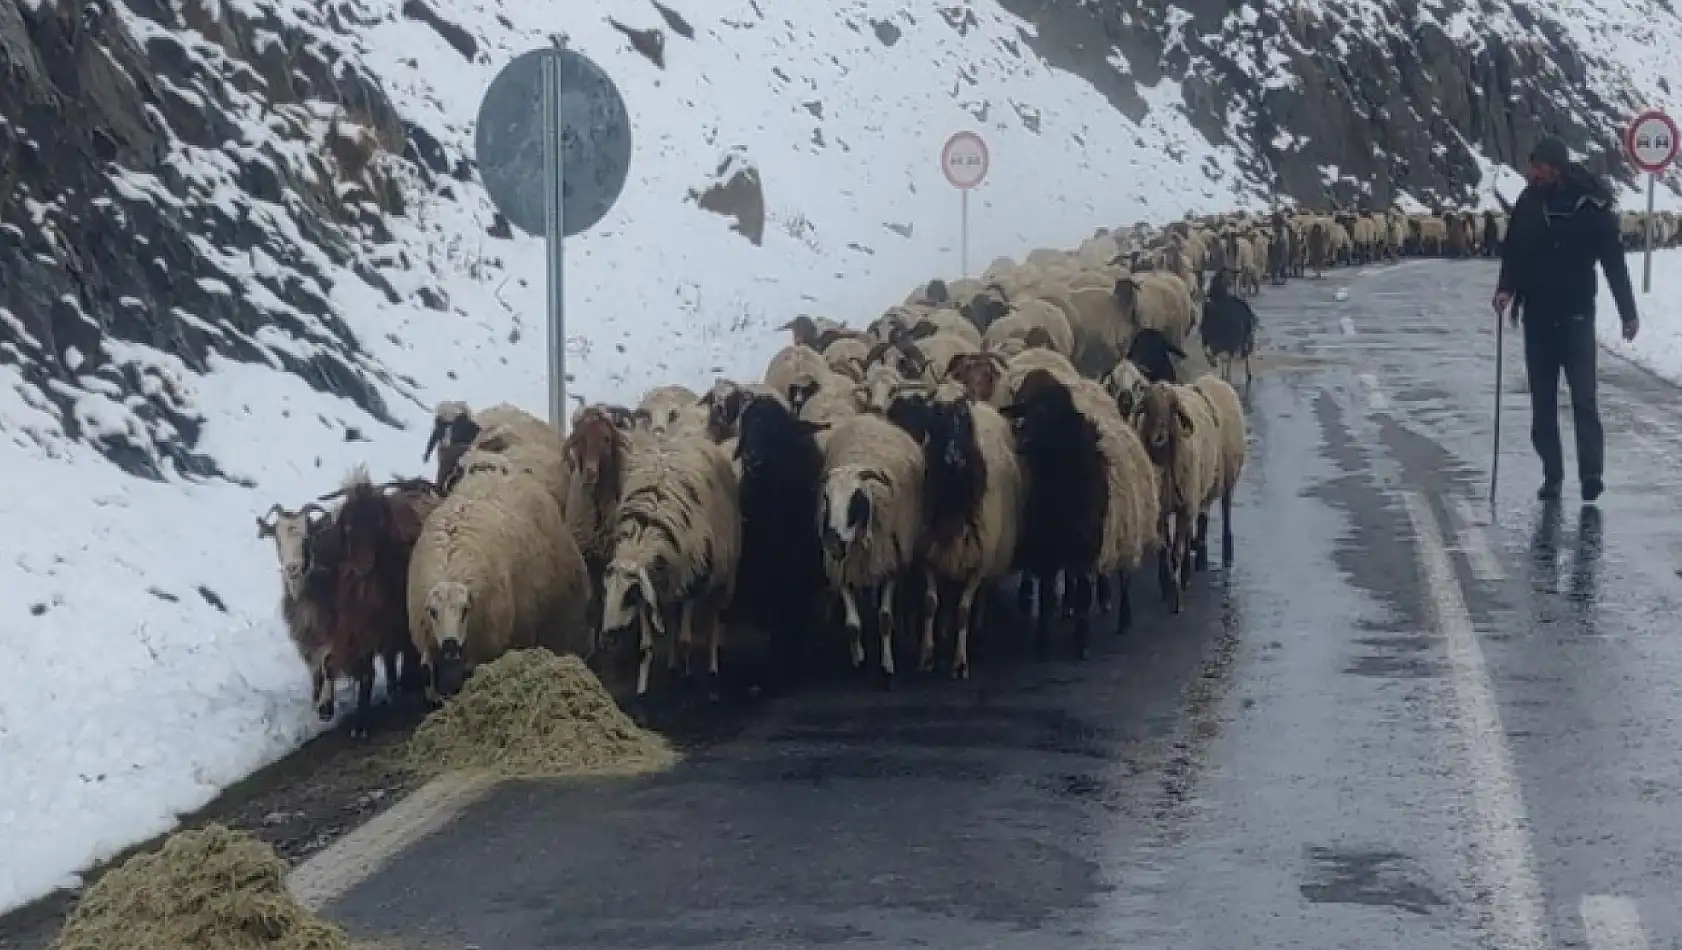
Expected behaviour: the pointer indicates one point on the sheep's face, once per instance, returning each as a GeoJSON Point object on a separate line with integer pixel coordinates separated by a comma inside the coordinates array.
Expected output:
{"type": "Point", "coordinates": [977, 373]}
{"type": "Point", "coordinates": [1162, 422]}
{"type": "Point", "coordinates": [766, 426]}
{"type": "Point", "coordinates": [908, 408]}
{"type": "Point", "coordinates": [724, 403]}
{"type": "Point", "coordinates": [800, 392]}
{"type": "Point", "coordinates": [590, 446]}
{"type": "Point", "coordinates": [445, 623]}
{"type": "Point", "coordinates": [846, 512]}
{"type": "Point", "coordinates": [293, 532]}
{"type": "Point", "coordinates": [627, 594]}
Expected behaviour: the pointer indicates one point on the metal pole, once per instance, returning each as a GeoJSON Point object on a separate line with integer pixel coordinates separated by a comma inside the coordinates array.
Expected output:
{"type": "Point", "coordinates": [1647, 259]}
{"type": "Point", "coordinates": [554, 233]}
{"type": "Point", "coordinates": [963, 233]}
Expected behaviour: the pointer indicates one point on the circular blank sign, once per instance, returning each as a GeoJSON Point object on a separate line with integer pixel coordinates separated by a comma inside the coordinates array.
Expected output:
{"type": "Point", "coordinates": [1651, 141]}
{"type": "Point", "coordinates": [595, 141]}
{"type": "Point", "coordinates": [964, 160]}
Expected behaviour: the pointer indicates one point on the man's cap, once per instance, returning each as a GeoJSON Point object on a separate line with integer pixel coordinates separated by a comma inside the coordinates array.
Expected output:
{"type": "Point", "coordinates": [1551, 151]}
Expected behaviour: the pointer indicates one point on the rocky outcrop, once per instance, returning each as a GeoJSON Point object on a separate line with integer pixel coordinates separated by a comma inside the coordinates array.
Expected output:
{"type": "Point", "coordinates": [149, 224]}
{"type": "Point", "coordinates": [1349, 100]}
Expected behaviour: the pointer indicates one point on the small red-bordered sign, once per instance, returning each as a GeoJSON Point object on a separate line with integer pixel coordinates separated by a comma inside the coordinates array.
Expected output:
{"type": "Point", "coordinates": [1651, 141]}
{"type": "Point", "coordinates": [964, 160]}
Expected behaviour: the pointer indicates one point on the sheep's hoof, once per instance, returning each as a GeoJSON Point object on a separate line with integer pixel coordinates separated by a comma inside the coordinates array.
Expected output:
{"type": "Point", "coordinates": [324, 712]}
{"type": "Point", "coordinates": [637, 709]}
{"type": "Point", "coordinates": [1202, 560]}
{"type": "Point", "coordinates": [926, 664]}
{"type": "Point", "coordinates": [960, 670]}
{"type": "Point", "coordinates": [359, 730]}
{"type": "Point", "coordinates": [887, 680]}
{"type": "Point", "coordinates": [715, 688]}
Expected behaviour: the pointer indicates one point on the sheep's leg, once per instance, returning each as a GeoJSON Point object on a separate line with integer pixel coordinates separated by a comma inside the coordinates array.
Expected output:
{"type": "Point", "coordinates": [1080, 595]}
{"type": "Point", "coordinates": [1226, 528]}
{"type": "Point", "coordinates": [885, 631]}
{"type": "Point", "coordinates": [1101, 585]}
{"type": "Point", "coordinates": [1065, 579]}
{"type": "Point", "coordinates": [1048, 610]}
{"type": "Point", "coordinates": [961, 630]}
{"type": "Point", "coordinates": [1025, 594]}
{"type": "Point", "coordinates": [388, 662]}
{"type": "Point", "coordinates": [1201, 542]}
{"type": "Point", "coordinates": [855, 626]}
{"type": "Point", "coordinates": [1182, 547]}
{"type": "Point", "coordinates": [361, 721]}
{"type": "Point", "coordinates": [323, 687]}
{"type": "Point", "coordinates": [645, 652]}
{"type": "Point", "coordinates": [684, 646]}
{"type": "Point", "coordinates": [1167, 578]}
{"type": "Point", "coordinates": [931, 610]}
{"type": "Point", "coordinates": [1124, 604]}
{"type": "Point", "coordinates": [714, 625]}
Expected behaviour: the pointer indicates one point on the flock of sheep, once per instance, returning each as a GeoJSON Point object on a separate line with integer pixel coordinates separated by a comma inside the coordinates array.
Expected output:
{"type": "Point", "coordinates": [1031, 422]}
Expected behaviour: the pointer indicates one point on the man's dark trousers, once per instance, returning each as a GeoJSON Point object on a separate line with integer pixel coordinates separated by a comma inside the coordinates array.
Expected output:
{"type": "Point", "coordinates": [1555, 344]}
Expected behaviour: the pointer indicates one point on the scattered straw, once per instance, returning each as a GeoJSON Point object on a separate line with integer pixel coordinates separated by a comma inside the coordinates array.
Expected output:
{"type": "Point", "coordinates": [533, 713]}
{"type": "Point", "coordinates": [213, 889]}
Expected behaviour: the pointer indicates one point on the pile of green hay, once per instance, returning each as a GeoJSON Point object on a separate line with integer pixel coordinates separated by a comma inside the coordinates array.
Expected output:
{"type": "Point", "coordinates": [533, 713]}
{"type": "Point", "coordinates": [213, 889]}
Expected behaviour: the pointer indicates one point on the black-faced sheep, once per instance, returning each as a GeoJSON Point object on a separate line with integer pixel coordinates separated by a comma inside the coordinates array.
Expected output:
{"type": "Point", "coordinates": [973, 498]}
{"type": "Point", "coordinates": [1229, 329]}
{"type": "Point", "coordinates": [780, 579]}
{"type": "Point", "coordinates": [526, 440]}
{"type": "Point", "coordinates": [869, 519]}
{"type": "Point", "coordinates": [1092, 496]}
{"type": "Point", "coordinates": [678, 541]}
{"type": "Point", "coordinates": [494, 569]}
{"type": "Point", "coordinates": [1154, 354]}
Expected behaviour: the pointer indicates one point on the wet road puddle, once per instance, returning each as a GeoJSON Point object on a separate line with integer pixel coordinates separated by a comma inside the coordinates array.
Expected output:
{"type": "Point", "coordinates": [1373, 878]}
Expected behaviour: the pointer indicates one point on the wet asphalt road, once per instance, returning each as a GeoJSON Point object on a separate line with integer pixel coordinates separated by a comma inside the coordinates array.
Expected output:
{"type": "Point", "coordinates": [1392, 725]}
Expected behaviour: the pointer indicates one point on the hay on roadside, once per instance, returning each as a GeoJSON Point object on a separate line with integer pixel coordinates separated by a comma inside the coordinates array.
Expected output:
{"type": "Point", "coordinates": [533, 713]}
{"type": "Point", "coordinates": [211, 889]}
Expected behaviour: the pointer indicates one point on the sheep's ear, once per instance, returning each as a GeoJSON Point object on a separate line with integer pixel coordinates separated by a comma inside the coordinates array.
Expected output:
{"type": "Point", "coordinates": [706, 400]}
{"type": "Point", "coordinates": [1184, 418]}
{"type": "Point", "coordinates": [808, 427]}
{"type": "Point", "coordinates": [264, 529]}
{"type": "Point", "coordinates": [433, 440]}
{"type": "Point", "coordinates": [1174, 349]}
{"type": "Point", "coordinates": [1012, 411]}
{"type": "Point", "coordinates": [923, 331]}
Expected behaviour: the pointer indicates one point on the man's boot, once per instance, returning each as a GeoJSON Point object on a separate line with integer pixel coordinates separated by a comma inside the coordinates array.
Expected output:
{"type": "Point", "coordinates": [1592, 487]}
{"type": "Point", "coordinates": [1550, 489]}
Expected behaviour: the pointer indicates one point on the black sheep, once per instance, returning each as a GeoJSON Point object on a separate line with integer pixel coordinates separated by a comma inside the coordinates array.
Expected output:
{"type": "Point", "coordinates": [780, 580]}
{"type": "Point", "coordinates": [1154, 353]}
{"type": "Point", "coordinates": [1229, 329]}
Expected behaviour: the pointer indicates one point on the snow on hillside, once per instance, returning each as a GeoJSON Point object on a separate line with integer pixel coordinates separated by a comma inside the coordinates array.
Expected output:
{"type": "Point", "coordinates": [1658, 346]}
{"type": "Point", "coordinates": [147, 667]}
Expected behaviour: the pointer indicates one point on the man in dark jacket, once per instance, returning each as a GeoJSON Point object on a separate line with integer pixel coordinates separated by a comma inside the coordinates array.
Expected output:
{"type": "Point", "coordinates": [1561, 225]}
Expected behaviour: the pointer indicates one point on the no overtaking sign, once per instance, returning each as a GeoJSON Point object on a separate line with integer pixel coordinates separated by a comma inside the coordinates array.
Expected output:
{"type": "Point", "coordinates": [1651, 141]}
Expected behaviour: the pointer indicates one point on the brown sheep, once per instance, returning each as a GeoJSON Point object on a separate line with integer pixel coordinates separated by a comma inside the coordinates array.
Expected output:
{"type": "Point", "coordinates": [368, 545]}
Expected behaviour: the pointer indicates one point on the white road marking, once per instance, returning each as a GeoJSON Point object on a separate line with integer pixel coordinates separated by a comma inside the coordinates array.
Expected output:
{"type": "Point", "coordinates": [1506, 865]}
{"type": "Point", "coordinates": [352, 859]}
{"type": "Point", "coordinates": [1612, 923]}
{"type": "Point", "coordinates": [1375, 396]}
{"type": "Point", "coordinates": [1348, 326]}
{"type": "Point", "coordinates": [1474, 543]}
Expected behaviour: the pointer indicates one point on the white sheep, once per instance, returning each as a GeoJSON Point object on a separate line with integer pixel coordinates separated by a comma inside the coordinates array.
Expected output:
{"type": "Point", "coordinates": [495, 569]}
{"type": "Point", "coordinates": [870, 520]}
{"type": "Point", "coordinates": [672, 407]}
{"type": "Point", "coordinates": [1180, 434]}
{"type": "Point", "coordinates": [1233, 442]}
{"type": "Point", "coordinates": [789, 364]}
{"type": "Point", "coordinates": [678, 537]}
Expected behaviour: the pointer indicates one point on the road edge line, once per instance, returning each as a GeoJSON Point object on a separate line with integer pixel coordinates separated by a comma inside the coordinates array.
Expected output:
{"type": "Point", "coordinates": [365, 850]}
{"type": "Point", "coordinates": [1509, 867]}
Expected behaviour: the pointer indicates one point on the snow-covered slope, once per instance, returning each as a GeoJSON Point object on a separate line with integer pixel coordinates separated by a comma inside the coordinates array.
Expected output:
{"type": "Point", "coordinates": [243, 249]}
{"type": "Point", "coordinates": [147, 668]}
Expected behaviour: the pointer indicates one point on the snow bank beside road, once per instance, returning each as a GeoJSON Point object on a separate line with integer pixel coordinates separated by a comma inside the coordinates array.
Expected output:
{"type": "Point", "coordinates": [1658, 347]}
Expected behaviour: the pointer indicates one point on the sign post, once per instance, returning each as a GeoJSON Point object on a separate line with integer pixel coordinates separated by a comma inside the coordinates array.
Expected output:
{"type": "Point", "coordinates": [553, 143]}
{"type": "Point", "coordinates": [1651, 141]}
{"type": "Point", "coordinates": [963, 160]}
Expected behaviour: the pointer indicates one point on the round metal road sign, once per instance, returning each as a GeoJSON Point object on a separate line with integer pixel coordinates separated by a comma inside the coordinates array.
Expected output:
{"type": "Point", "coordinates": [595, 141]}
{"type": "Point", "coordinates": [1652, 141]}
{"type": "Point", "coordinates": [964, 160]}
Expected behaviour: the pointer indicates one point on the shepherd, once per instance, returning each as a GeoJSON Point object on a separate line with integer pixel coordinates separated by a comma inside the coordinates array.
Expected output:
{"type": "Point", "coordinates": [1562, 224]}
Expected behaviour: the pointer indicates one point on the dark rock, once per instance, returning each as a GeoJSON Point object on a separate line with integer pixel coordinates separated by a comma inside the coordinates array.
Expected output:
{"type": "Point", "coordinates": [673, 19]}
{"type": "Point", "coordinates": [888, 33]}
{"type": "Point", "coordinates": [459, 39]}
{"type": "Point", "coordinates": [651, 43]}
{"type": "Point", "coordinates": [132, 273]}
{"type": "Point", "coordinates": [737, 196]}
